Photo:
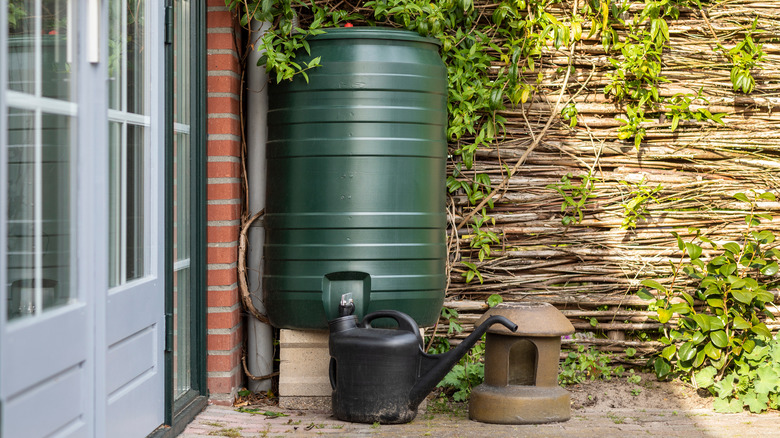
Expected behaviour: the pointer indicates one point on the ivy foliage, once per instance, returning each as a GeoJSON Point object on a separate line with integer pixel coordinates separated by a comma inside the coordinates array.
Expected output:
{"type": "Point", "coordinates": [496, 55]}
{"type": "Point", "coordinates": [720, 340]}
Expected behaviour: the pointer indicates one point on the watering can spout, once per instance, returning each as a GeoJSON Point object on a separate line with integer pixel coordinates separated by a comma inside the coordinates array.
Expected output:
{"type": "Point", "coordinates": [434, 367]}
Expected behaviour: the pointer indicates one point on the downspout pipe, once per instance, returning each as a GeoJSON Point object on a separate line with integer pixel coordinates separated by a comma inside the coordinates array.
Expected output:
{"type": "Point", "coordinates": [260, 352]}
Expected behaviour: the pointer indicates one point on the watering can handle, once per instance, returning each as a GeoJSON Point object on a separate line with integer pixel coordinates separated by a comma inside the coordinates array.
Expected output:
{"type": "Point", "coordinates": [405, 322]}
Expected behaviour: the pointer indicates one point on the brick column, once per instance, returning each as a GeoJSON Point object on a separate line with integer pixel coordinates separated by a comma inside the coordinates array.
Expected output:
{"type": "Point", "coordinates": [225, 329]}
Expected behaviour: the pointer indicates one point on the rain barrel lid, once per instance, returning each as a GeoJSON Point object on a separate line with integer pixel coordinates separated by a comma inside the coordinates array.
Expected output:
{"type": "Point", "coordinates": [379, 33]}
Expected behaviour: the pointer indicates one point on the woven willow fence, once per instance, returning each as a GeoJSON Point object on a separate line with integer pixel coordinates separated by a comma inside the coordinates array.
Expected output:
{"type": "Point", "coordinates": [592, 269]}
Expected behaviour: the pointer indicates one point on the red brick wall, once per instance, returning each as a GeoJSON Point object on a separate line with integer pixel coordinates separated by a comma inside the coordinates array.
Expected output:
{"type": "Point", "coordinates": [225, 329]}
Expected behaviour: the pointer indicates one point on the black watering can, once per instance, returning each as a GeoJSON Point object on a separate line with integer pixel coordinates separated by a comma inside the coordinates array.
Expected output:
{"type": "Point", "coordinates": [382, 375]}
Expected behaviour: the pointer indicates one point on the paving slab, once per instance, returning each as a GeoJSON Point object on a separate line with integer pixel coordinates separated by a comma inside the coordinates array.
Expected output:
{"type": "Point", "coordinates": [272, 421]}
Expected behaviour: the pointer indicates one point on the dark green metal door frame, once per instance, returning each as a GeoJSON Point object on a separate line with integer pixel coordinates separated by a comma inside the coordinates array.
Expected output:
{"type": "Point", "coordinates": [179, 412]}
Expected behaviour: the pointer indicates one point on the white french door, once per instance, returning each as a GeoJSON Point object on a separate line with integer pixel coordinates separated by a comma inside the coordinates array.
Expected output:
{"type": "Point", "coordinates": [135, 307]}
{"type": "Point", "coordinates": [81, 218]}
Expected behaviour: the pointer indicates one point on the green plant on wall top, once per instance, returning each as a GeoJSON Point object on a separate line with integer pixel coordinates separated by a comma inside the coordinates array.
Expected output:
{"type": "Point", "coordinates": [715, 335]}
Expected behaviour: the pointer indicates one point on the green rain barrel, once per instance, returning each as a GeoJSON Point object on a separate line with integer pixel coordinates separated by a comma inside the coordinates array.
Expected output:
{"type": "Point", "coordinates": [356, 173]}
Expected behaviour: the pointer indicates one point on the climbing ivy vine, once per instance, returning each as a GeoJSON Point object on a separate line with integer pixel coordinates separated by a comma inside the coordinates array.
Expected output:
{"type": "Point", "coordinates": [494, 53]}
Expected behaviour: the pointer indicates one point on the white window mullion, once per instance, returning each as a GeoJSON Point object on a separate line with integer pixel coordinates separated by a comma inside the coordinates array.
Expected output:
{"type": "Point", "coordinates": [123, 62]}
{"type": "Point", "coordinates": [38, 87]}
{"type": "Point", "coordinates": [27, 102]}
{"type": "Point", "coordinates": [123, 205]}
{"type": "Point", "coordinates": [38, 213]}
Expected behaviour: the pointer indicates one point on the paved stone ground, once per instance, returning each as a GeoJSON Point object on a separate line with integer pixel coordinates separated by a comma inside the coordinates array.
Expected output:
{"type": "Point", "coordinates": [628, 423]}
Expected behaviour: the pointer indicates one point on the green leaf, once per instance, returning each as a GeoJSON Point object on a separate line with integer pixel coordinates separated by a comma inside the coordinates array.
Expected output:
{"type": "Point", "coordinates": [727, 269]}
{"type": "Point", "coordinates": [716, 303]}
{"type": "Point", "coordinates": [742, 197]}
{"type": "Point", "coordinates": [769, 196]}
{"type": "Point", "coordinates": [694, 251]}
{"type": "Point", "coordinates": [724, 406]}
{"type": "Point", "coordinates": [652, 284]}
{"type": "Point", "coordinates": [494, 300]}
{"type": "Point", "coordinates": [680, 308]}
{"type": "Point", "coordinates": [757, 403]}
{"type": "Point", "coordinates": [664, 315]}
{"type": "Point", "coordinates": [732, 247]}
{"type": "Point", "coordinates": [668, 352]}
{"type": "Point", "coordinates": [743, 295]}
{"type": "Point", "coordinates": [645, 295]}
{"type": "Point", "coordinates": [761, 330]}
{"type": "Point", "coordinates": [686, 352]}
{"type": "Point", "coordinates": [700, 356]}
{"type": "Point", "coordinates": [768, 380]}
{"type": "Point", "coordinates": [719, 339]}
{"type": "Point", "coordinates": [770, 269]}
{"type": "Point", "coordinates": [712, 352]}
{"type": "Point", "coordinates": [702, 321]}
{"type": "Point", "coordinates": [662, 367]}
{"type": "Point", "coordinates": [740, 323]}
{"type": "Point", "coordinates": [705, 377]}
{"type": "Point", "coordinates": [715, 322]}
{"type": "Point", "coordinates": [764, 296]}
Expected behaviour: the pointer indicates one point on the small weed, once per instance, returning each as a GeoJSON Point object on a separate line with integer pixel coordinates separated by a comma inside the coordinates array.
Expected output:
{"type": "Point", "coordinates": [590, 364]}
{"type": "Point", "coordinates": [375, 425]}
{"type": "Point", "coordinates": [615, 419]}
{"type": "Point", "coordinates": [233, 432]}
{"type": "Point", "coordinates": [315, 426]}
{"type": "Point", "coordinates": [636, 391]}
{"type": "Point", "coordinates": [214, 424]}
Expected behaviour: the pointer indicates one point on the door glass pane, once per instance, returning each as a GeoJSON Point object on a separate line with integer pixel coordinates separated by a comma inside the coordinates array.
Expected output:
{"type": "Point", "coordinates": [22, 30]}
{"type": "Point", "coordinates": [182, 198]}
{"type": "Point", "coordinates": [182, 300]}
{"type": "Point", "coordinates": [127, 58]}
{"type": "Point", "coordinates": [39, 47]}
{"type": "Point", "coordinates": [129, 142]}
{"type": "Point", "coordinates": [127, 183]}
{"type": "Point", "coordinates": [183, 292]}
{"type": "Point", "coordinates": [115, 54]}
{"type": "Point", "coordinates": [136, 141]}
{"type": "Point", "coordinates": [136, 65]}
{"type": "Point", "coordinates": [38, 211]}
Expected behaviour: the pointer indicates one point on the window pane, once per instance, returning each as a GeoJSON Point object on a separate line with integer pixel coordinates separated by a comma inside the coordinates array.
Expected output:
{"type": "Point", "coordinates": [22, 27]}
{"type": "Point", "coordinates": [55, 49]}
{"type": "Point", "coordinates": [38, 211]}
{"type": "Point", "coordinates": [40, 35]}
{"type": "Point", "coordinates": [181, 198]}
{"type": "Point", "coordinates": [127, 185]}
{"type": "Point", "coordinates": [135, 65]}
{"type": "Point", "coordinates": [115, 205]}
{"type": "Point", "coordinates": [115, 54]}
{"type": "Point", "coordinates": [182, 300]}
{"type": "Point", "coordinates": [182, 232]}
{"type": "Point", "coordinates": [127, 56]}
{"type": "Point", "coordinates": [182, 57]}
{"type": "Point", "coordinates": [135, 201]}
